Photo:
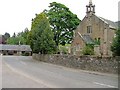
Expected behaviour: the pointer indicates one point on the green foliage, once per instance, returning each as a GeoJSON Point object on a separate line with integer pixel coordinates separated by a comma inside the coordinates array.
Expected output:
{"type": "Point", "coordinates": [97, 41]}
{"type": "Point", "coordinates": [88, 50]}
{"type": "Point", "coordinates": [21, 38]}
{"type": "Point", "coordinates": [41, 37]}
{"type": "Point", "coordinates": [62, 22]}
{"type": "Point", "coordinates": [6, 36]}
{"type": "Point", "coordinates": [64, 49]}
{"type": "Point", "coordinates": [16, 40]}
{"type": "Point", "coordinates": [115, 48]}
{"type": "Point", "coordinates": [24, 35]}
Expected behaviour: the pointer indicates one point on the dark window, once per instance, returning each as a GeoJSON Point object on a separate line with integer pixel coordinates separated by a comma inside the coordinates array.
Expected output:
{"type": "Point", "coordinates": [89, 29]}
{"type": "Point", "coordinates": [98, 41]}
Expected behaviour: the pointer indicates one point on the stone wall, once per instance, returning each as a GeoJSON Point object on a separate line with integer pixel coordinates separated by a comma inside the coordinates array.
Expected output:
{"type": "Point", "coordinates": [106, 64]}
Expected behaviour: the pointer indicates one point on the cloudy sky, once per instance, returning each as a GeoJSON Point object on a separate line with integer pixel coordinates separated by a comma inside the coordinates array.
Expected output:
{"type": "Point", "coordinates": [16, 15]}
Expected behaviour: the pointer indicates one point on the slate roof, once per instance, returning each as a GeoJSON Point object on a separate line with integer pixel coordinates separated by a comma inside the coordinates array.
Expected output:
{"type": "Point", "coordinates": [111, 23]}
{"type": "Point", "coordinates": [15, 47]}
{"type": "Point", "coordinates": [118, 23]}
{"type": "Point", "coordinates": [88, 39]}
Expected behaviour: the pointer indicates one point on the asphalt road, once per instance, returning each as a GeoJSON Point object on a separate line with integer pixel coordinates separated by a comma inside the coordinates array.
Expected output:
{"type": "Point", "coordinates": [24, 72]}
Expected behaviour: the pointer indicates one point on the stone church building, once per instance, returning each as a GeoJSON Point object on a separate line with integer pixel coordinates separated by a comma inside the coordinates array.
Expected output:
{"type": "Point", "coordinates": [91, 29]}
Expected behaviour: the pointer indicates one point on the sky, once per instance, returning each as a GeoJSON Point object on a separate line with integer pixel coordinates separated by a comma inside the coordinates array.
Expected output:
{"type": "Point", "coordinates": [16, 15]}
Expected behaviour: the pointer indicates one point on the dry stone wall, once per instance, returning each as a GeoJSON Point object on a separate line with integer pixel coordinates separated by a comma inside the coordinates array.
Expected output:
{"type": "Point", "coordinates": [100, 64]}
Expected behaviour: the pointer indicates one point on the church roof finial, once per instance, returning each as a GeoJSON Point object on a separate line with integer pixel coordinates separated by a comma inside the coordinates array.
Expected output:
{"type": "Point", "coordinates": [90, 1]}
{"type": "Point", "coordinates": [90, 7]}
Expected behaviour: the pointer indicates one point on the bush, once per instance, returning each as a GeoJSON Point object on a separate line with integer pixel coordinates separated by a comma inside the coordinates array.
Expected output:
{"type": "Point", "coordinates": [88, 50]}
{"type": "Point", "coordinates": [64, 49]}
{"type": "Point", "coordinates": [115, 48]}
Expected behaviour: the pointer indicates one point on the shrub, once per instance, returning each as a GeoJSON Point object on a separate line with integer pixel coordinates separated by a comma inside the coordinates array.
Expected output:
{"type": "Point", "coordinates": [64, 49]}
{"type": "Point", "coordinates": [88, 50]}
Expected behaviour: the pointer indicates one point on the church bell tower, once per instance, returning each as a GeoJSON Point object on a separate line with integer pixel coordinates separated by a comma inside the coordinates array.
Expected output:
{"type": "Point", "coordinates": [90, 9]}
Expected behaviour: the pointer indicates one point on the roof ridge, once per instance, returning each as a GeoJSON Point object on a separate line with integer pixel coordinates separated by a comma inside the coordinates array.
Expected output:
{"type": "Point", "coordinates": [107, 19]}
{"type": "Point", "coordinates": [110, 22]}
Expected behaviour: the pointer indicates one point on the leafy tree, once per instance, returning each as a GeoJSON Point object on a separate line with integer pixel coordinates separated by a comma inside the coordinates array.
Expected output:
{"type": "Point", "coordinates": [14, 35]}
{"type": "Point", "coordinates": [24, 35]}
{"type": "Point", "coordinates": [13, 41]}
{"type": "Point", "coordinates": [20, 37]}
{"type": "Point", "coordinates": [6, 36]}
{"type": "Point", "coordinates": [41, 37]}
{"type": "Point", "coordinates": [62, 22]}
{"type": "Point", "coordinates": [116, 44]}
{"type": "Point", "coordinates": [16, 40]}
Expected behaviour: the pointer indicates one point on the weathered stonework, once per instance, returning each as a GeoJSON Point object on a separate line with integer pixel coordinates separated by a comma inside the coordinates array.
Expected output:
{"type": "Point", "coordinates": [105, 64]}
{"type": "Point", "coordinates": [99, 28]}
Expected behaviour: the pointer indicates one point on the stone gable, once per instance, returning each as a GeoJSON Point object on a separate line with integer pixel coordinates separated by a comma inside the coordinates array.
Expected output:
{"type": "Point", "coordinates": [94, 28]}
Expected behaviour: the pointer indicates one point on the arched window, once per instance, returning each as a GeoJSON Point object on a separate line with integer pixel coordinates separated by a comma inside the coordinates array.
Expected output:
{"type": "Point", "coordinates": [98, 41]}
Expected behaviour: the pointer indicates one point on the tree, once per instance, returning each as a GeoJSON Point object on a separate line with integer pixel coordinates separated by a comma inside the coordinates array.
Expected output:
{"type": "Point", "coordinates": [24, 35]}
{"type": "Point", "coordinates": [6, 36]}
{"type": "Point", "coordinates": [116, 44]}
{"type": "Point", "coordinates": [13, 41]}
{"type": "Point", "coordinates": [20, 37]}
{"type": "Point", "coordinates": [16, 40]}
{"type": "Point", "coordinates": [14, 35]}
{"type": "Point", "coordinates": [41, 37]}
{"type": "Point", "coordinates": [62, 22]}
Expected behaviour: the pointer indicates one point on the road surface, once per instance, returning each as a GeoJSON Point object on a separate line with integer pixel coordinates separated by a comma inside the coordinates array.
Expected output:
{"type": "Point", "coordinates": [24, 72]}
